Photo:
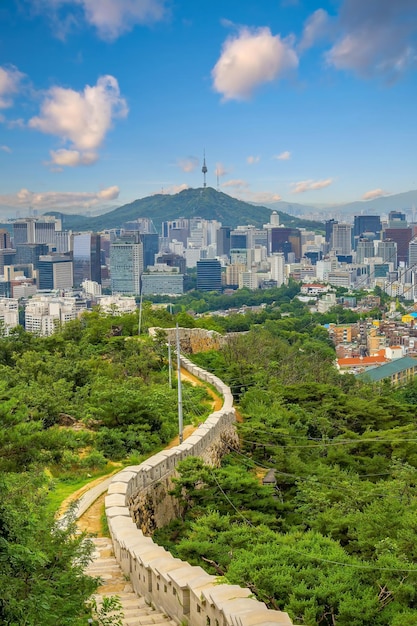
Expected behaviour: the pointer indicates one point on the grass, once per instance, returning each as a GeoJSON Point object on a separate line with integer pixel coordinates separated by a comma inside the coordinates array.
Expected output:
{"type": "Point", "coordinates": [66, 484]}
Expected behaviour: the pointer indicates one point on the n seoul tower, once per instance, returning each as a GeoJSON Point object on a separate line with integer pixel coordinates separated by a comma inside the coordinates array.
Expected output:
{"type": "Point", "coordinates": [204, 169]}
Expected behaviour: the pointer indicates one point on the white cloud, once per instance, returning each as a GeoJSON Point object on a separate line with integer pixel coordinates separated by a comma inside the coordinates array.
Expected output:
{"type": "Point", "coordinates": [10, 79]}
{"type": "Point", "coordinates": [81, 119]}
{"type": "Point", "coordinates": [62, 200]}
{"type": "Point", "coordinates": [248, 60]}
{"type": "Point", "coordinates": [253, 159]}
{"type": "Point", "coordinates": [111, 18]}
{"type": "Point", "coordinates": [188, 164]}
{"type": "Point", "coordinates": [310, 185]}
{"type": "Point", "coordinates": [72, 158]}
{"type": "Point", "coordinates": [6, 149]}
{"type": "Point", "coordinates": [111, 193]}
{"type": "Point", "coordinates": [316, 27]}
{"type": "Point", "coordinates": [375, 193]}
{"type": "Point", "coordinates": [284, 156]}
{"type": "Point", "coordinates": [236, 183]}
{"type": "Point", "coordinates": [376, 37]}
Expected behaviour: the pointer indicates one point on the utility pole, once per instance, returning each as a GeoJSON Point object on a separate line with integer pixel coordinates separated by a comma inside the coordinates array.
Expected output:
{"type": "Point", "coordinates": [180, 420]}
{"type": "Point", "coordinates": [169, 364]}
{"type": "Point", "coordinates": [140, 312]}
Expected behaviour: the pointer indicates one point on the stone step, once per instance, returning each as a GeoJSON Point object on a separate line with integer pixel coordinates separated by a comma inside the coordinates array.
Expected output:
{"type": "Point", "coordinates": [136, 612]}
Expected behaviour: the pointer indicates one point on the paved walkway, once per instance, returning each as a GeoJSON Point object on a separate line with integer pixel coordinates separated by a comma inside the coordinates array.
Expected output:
{"type": "Point", "coordinates": [135, 610]}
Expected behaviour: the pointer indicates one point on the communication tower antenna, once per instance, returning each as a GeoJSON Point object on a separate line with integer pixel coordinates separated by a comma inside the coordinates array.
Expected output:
{"type": "Point", "coordinates": [204, 169]}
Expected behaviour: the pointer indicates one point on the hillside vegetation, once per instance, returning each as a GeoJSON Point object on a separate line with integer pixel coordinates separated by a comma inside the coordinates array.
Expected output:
{"type": "Point", "coordinates": [332, 539]}
{"type": "Point", "coordinates": [206, 203]}
{"type": "Point", "coordinates": [72, 406]}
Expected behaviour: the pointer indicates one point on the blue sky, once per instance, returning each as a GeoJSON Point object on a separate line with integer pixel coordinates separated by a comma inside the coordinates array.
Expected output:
{"type": "Point", "coordinates": [105, 101]}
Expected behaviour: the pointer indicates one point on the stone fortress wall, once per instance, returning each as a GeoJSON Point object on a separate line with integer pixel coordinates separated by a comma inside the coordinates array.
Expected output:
{"type": "Point", "coordinates": [186, 593]}
{"type": "Point", "coordinates": [193, 339]}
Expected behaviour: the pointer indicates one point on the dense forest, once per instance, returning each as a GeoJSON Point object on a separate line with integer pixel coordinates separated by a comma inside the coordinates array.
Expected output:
{"type": "Point", "coordinates": [331, 538]}
{"type": "Point", "coordinates": [75, 405]}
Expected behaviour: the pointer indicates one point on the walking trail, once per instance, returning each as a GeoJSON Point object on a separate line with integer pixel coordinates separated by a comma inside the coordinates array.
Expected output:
{"type": "Point", "coordinates": [136, 612]}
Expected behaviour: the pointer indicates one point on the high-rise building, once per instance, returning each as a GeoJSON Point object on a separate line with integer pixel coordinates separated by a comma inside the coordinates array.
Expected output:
{"type": "Point", "coordinates": [277, 264]}
{"type": "Point", "coordinates": [126, 265]}
{"type": "Point", "coordinates": [7, 257]}
{"type": "Point", "coordinates": [397, 219]}
{"type": "Point", "coordinates": [402, 236]}
{"type": "Point", "coordinates": [209, 275]}
{"type": "Point", "coordinates": [328, 225]}
{"type": "Point", "coordinates": [35, 230]}
{"type": "Point", "coordinates": [387, 251]}
{"type": "Point", "coordinates": [412, 254]}
{"type": "Point", "coordinates": [367, 224]}
{"type": "Point", "coordinates": [364, 250]}
{"type": "Point", "coordinates": [150, 248]}
{"type": "Point", "coordinates": [55, 271]}
{"type": "Point", "coordinates": [223, 241]}
{"type": "Point", "coordinates": [285, 240]}
{"type": "Point", "coordinates": [238, 239]}
{"type": "Point", "coordinates": [172, 260]}
{"type": "Point", "coordinates": [4, 239]}
{"type": "Point", "coordinates": [86, 258]}
{"type": "Point", "coordinates": [342, 238]}
{"type": "Point", "coordinates": [29, 253]}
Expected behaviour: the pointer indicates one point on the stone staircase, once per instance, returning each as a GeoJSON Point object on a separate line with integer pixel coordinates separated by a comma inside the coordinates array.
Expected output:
{"type": "Point", "coordinates": [135, 610]}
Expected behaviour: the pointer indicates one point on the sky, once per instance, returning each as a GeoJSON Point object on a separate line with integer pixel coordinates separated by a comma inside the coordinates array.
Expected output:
{"type": "Point", "coordinates": [106, 101]}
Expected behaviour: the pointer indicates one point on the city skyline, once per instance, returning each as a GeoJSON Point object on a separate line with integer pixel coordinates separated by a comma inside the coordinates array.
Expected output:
{"type": "Point", "coordinates": [305, 101]}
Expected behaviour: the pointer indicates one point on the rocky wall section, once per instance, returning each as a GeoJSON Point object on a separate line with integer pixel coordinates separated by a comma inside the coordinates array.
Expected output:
{"type": "Point", "coordinates": [184, 592]}
{"type": "Point", "coordinates": [193, 340]}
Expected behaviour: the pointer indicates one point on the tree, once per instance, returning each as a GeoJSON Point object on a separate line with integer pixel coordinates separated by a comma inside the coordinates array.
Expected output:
{"type": "Point", "coordinates": [42, 578]}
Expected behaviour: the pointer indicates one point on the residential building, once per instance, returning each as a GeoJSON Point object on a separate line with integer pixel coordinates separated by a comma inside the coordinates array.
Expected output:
{"type": "Point", "coordinates": [248, 280]}
{"type": "Point", "coordinates": [44, 314]}
{"type": "Point", "coordinates": [117, 304]}
{"type": "Point", "coordinates": [9, 315]}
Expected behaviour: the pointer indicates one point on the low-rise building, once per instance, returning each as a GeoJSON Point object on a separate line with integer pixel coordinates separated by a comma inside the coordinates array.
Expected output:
{"type": "Point", "coordinates": [399, 372]}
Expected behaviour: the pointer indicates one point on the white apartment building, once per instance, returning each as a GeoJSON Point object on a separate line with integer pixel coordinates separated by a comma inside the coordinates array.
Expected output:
{"type": "Point", "coordinates": [91, 288]}
{"type": "Point", "coordinates": [117, 304]}
{"type": "Point", "coordinates": [248, 280]}
{"type": "Point", "coordinates": [44, 314]}
{"type": "Point", "coordinates": [9, 314]}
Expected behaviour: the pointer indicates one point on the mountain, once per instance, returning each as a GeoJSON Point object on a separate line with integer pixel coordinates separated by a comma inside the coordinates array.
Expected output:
{"type": "Point", "coordinates": [204, 202]}
{"type": "Point", "coordinates": [378, 206]}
